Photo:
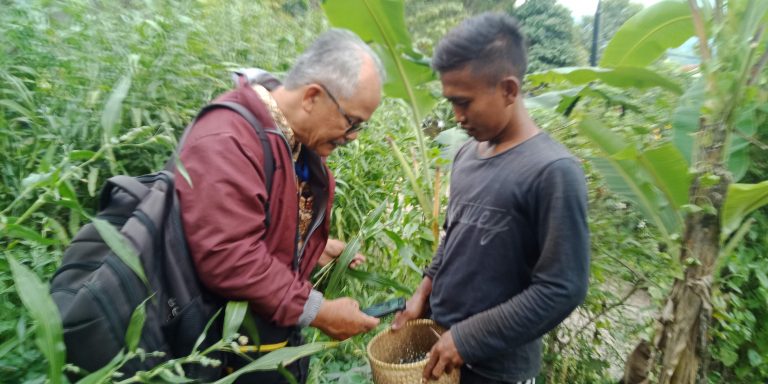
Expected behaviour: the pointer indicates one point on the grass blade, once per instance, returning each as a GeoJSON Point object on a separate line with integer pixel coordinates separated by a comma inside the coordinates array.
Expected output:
{"type": "Point", "coordinates": [122, 247]}
{"type": "Point", "coordinates": [49, 334]}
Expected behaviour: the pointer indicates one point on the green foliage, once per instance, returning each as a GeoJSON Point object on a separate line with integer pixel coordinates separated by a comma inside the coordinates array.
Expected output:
{"type": "Point", "coordinates": [551, 35]}
{"type": "Point", "coordinates": [89, 89]}
{"type": "Point", "coordinates": [647, 35]}
{"type": "Point", "coordinates": [382, 24]}
{"type": "Point", "coordinates": [625, 77]}
{"type": "Point", "coordinates": [742, 200]}
{"type": "Point", "coordinates": [278, 358]}
{"type": "Point", "coordinates": [429, 20]}
{"type": "Point", "coordinates": [49, 334]}
{"type": "Point", "coordinates": [121, 246]}
{"type": "Point", "coordinates": [613, 14]}
{"type": "Point", "coordinates": [655, 179]}
{"type": "Point", "coordinates": [740, 338]}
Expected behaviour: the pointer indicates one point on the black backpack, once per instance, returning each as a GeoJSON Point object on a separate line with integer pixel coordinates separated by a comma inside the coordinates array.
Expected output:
{"type": "Point", "coordinates": [96, 292]}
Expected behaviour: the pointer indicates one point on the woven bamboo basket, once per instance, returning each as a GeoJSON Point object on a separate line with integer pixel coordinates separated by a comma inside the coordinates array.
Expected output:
{"type": "Point", "coordinates": [392, 354]}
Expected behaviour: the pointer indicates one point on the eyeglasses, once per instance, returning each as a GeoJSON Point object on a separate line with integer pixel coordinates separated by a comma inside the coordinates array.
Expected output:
{"type": "Point", "coordinates": [354, 126]}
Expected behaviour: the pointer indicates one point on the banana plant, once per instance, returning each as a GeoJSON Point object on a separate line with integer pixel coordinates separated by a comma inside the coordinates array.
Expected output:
{"type": "Point", "coordinates": [685, 186]}
{"type": "Point", "coordinates": [381, 23]}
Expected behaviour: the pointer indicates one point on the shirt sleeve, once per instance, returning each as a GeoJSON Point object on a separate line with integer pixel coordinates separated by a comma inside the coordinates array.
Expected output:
{"type": "Point", "coordinates": [223, 212]}
{"type": "Point", "coordinates": [559, 277]}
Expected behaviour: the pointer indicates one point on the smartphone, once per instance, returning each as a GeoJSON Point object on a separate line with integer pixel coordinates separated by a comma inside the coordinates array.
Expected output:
{"type": "Point", "coordinates": [385, 308]}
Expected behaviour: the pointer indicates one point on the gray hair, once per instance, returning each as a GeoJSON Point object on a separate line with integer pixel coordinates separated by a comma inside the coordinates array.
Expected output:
{"type": "Point", "coordinates": [333, 60]}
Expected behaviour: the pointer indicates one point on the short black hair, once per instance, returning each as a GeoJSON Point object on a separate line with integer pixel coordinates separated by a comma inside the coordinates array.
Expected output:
{"type": "Point", "coordinates": [490, 43]}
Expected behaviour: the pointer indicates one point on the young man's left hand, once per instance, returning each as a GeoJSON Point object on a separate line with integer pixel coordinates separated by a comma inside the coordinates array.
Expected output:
{"type": "Point", "coordinates": [443, 358]}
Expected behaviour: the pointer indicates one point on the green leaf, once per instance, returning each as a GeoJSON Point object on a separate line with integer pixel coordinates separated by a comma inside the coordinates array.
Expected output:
{"type": "Point", "coordinates": [182, 170]}
{"type": "Point", "coordinates": [104, 374]}
{"type": "Point", "coordinates": [111, 114]}
{"type": "Point", "coordinates": [333, 289]}
{"type": "Point", "coordinates": [450, 141]}
{"type": "Point", "coordinates": [740, 201]}
{"type": "Point", "coordinates": [623, 172]}
{"type": "Point", "coordinates": [669, 171]}
{"type": "Point", "coordinates": [78, 155]}
{"type": "Point", "coordinates": [170, 377]}
{"type": "Point", "coordinates": [233, 317]}
{"type": "Point", "coordinates": [273, 360]}
{"type": "Point", "coordinates": [648, 34]}
{"type": "Point", "coordinates": [287, 375]}
{"type": "Point", "coordinates": [93, 177]}
{"type": "Point", "coordinates": [624, 77]}
{"type": "Point", "coordinates": [685, 125]}
{"type": "Point", "coordinates": [26, 233]}
{"type": "Point", "coordinates": [133, 334]}
{"type": "Point", "coordinates": [377, 280]}
{"type": "Point", "coordinates": [381, 23]}
{"type": "Point", "coordinates": [550, 100]}
{"type": "Point", "coordinates": [201, 338]}
{"type": "Point", "coordinates": [755, 360]}
{"type": "Point", "coordinates": [34, 180]}
{"type": "Point", "coordinates": [685, 120]}
{"type": "Point", "coordinates": [48, 334]}
{"type": "Point", "coordinates": [122, 247]}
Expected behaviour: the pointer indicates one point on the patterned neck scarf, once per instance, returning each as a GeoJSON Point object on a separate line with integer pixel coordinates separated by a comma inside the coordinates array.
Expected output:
{"type": "Point", "coordinates": [306, 199]}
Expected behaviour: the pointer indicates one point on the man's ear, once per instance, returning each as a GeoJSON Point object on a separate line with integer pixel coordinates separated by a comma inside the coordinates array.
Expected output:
{"type": "Point", "coordinates": [510, 88]}
{"type": "Point", "coordinates": [310, 97]}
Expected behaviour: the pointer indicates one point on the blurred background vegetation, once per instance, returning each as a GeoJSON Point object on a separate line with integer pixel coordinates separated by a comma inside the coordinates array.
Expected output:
{"type": "Point", "coordinates": [89, 89]}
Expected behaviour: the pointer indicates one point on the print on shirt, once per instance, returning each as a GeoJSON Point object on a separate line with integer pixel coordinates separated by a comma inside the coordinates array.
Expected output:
{"type": "Point", "coordinates": [488, 219]}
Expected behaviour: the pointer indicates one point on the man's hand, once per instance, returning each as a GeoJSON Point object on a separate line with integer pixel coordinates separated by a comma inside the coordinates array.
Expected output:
{"type": "Point", "coordinates": [443, 358]}
{"type": "Point", "coordinates": [416, 306]}
{"type": "Point", "coordinates": [333, 249]}
{"type": "Point", "coordinates": [342, 319]}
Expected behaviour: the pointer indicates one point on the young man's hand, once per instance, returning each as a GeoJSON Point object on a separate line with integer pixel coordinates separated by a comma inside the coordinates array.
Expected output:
{"type": "Point", "coordinates": [341, 319]}
{"type": "Point", "coordinates": [416, 306]}
{"type": "Point", "coordinates": [333, 249]}
{"type": "Point", "coordinates": [443, 358]}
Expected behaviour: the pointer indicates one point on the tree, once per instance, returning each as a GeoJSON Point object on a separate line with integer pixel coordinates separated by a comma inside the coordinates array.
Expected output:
{"type": "Point", "coordinates": [550, 31]}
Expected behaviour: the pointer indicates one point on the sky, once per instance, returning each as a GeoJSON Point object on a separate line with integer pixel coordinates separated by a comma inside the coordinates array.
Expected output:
{"type": "Point", "coordinates": [581, 8]}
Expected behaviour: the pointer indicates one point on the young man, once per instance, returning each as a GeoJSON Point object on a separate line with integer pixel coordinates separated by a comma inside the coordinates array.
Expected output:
{"type": "Point", "coordinates": [251, 244]}
{"type": "Point", "coordinates": [514, 261]}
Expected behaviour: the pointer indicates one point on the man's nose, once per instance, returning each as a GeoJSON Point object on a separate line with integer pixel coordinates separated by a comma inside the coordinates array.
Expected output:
{"type": "Point", "coordinates": [459, 115]}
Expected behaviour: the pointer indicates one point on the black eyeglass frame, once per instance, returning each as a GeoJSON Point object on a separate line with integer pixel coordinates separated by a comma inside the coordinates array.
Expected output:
{"type": "Point", "coordinates": [353, 127]}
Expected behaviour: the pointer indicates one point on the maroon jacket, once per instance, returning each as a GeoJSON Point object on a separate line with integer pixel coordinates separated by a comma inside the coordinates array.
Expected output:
{"type": "Point", "coordinates": [223, 211]}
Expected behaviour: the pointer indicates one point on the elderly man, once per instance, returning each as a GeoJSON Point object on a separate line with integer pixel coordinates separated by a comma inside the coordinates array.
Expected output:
{"type": "Point", "coordinates": [251, 244]}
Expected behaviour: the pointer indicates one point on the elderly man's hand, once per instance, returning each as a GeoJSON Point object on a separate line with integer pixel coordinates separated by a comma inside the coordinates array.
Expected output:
{"type": "Point", "coordinates": [443, 358]}
{"type": "Point", "coordinates": [341, 319]}
{"type": "Point", "coordinates": [333, 249]}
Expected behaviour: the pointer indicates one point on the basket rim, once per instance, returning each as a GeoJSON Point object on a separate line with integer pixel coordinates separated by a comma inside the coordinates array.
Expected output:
{"type": "Point", "coordinates": [393, 366]}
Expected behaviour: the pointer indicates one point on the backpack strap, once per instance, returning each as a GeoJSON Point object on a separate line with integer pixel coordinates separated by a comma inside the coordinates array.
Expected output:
{"type": "Point", "coordinates": [130, 185]}
{"type": "Point", "coordinates": [269, 160]}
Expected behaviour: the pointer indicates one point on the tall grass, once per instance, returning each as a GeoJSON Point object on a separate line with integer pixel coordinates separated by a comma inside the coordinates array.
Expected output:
{"type": "Point", "coordinates": [90, 88]}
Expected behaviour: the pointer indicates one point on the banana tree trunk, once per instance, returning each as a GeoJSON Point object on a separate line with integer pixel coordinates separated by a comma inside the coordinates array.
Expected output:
{"type": "Point", "coordinates": [681, 336]}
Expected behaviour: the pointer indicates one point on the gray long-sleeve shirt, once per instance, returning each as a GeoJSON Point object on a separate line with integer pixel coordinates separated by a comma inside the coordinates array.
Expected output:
{"type": "Point", "coordinates": [514, 261]}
